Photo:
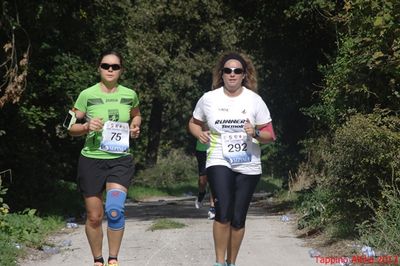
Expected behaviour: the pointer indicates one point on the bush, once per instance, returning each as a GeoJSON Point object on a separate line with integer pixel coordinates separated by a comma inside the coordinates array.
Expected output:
{"type": "Point", "coordinates": [348, 169]}
{"type": "Point", "coordinates": [383, 231]}
{"type": "Point", "coordinates": [4, 209]}
{"type": "Point", "coordinates": [172, 168]}
{"type": "Point", "coordinates": [22, 230]}
{"type": "Point", "coordinates": [316, 208]}
{"type": "Point", "coordinates": [365, 151]}
{"type": "Point", "coordinates": [28, 229]}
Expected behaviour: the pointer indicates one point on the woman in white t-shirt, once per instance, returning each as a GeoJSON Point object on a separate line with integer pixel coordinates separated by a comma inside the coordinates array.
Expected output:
{"type": "Point", "coordinates": [238, 120]}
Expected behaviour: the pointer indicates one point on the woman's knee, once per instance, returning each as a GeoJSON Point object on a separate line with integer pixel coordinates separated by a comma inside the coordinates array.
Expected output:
{"type": "Point", "coordinates": [222, 224]}
{"type": "Point", "coordinates": [94, 219]}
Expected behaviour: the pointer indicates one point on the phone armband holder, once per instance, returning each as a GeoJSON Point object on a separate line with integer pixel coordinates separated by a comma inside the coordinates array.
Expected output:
{"type": "Point", "coordinates": [69, 120]}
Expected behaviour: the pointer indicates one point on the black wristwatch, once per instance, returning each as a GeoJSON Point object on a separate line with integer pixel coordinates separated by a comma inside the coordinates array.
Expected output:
{"type": "Point", "coordinates": [256, 133]}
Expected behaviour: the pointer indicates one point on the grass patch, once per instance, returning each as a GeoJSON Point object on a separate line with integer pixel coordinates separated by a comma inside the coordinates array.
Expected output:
{"type": "Point", "coordinates": [162, 224]}
{"type": "Point", "coordinates": [139, 192]}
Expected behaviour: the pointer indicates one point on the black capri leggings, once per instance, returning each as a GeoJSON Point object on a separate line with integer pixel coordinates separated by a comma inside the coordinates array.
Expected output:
{"type": "Point", "coordinates": [232, 194]}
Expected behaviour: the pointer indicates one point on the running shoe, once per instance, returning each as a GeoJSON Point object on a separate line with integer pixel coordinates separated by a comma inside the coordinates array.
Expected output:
{"type": "Point", "coordinates": [198, 204]}
{"type": "Point", "coordinates": [199, 200]}
{"type": "Point", "coordinates": [211, 213]}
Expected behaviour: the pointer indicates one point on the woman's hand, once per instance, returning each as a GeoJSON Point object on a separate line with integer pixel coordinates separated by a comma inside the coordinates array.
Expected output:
{"type": "Point", "coordinates": [249, 128]}
{"type": "Point", "coordinates": [135, 131]}
{"type": "Point", "coordinates": [204, 137]}
{"type": "Point", "coordinates": [95, 124]}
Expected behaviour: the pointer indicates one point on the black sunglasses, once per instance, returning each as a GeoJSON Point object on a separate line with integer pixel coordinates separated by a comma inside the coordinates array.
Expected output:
{"type": "Point", "coordinates": [228, 70]}
{"type": "Point", "coordinates": [106, 66]}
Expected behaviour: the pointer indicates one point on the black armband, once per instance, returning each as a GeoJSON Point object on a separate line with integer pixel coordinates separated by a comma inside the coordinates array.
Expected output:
{"type": "Point", "coordinates": [81, 120]}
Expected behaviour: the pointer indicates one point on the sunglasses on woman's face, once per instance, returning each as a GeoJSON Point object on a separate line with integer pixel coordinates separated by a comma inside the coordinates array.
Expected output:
{"type": "Point", "coordinates": [228, 70]}
{"type": "Point", "coordinates": [106, 66]}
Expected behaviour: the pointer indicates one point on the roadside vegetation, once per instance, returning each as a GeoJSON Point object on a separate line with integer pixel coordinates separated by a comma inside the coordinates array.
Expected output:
{"type": "Point", "coordinates": [21, 230]}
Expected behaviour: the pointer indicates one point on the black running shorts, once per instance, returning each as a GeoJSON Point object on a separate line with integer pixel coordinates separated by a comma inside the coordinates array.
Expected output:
{"type": "Point", "coordinates": [93, 174]}
{"type": "Point", "coordinates": [232, 194]}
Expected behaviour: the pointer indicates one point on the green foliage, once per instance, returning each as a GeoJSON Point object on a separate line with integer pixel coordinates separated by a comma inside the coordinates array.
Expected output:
{"type": "Point", "coordinates": [172, 168]}
{"type": "Point", "coordinates": [354, 146]}
{"type": "Point", "coordinates": [269, 184]}
{"type": "Point", "coordinates": [316, 208]}
{"type": "Point", "coordinates": [287, 51]}
{"type": "Point", "coordinates": [383, 230]}
{"type": "Point", "coordinates": [4, 209]}
{"type": "Point", "coordinates": [362, 153]}
{"type": "Point", "coordinates": [8, 251]}
{"type": "Point", "coordinates": [365, 73]}
{"type": "Point", "coordinates": [24, 229]}
{"type": "Point", "coordinates": [172, 47]}
{"type": "Point", "coordinates": [365, 150]}
{"type": "Point", "coordinates": [29, 229]}
{"type": "Point", "coordinates": [269, 153]}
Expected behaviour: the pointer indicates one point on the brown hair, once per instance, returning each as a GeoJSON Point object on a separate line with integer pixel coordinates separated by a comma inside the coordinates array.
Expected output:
{"type": "Point", "coordinates": [250, 78]}
{"type": "Point", "coordinates": [110, 52]}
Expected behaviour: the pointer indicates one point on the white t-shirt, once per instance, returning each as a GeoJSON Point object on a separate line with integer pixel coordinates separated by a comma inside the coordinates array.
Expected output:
{"type": "Point", "coordinates": [225, 117]}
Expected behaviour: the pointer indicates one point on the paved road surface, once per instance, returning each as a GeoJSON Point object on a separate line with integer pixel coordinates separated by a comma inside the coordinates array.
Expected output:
{"type": "Point", "coordinates": [268, 240]}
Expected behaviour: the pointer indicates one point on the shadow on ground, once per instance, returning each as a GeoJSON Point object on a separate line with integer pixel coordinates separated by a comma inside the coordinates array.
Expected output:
{"type": "Point", "coordinates": [184, 208]}
{"type": "Point", "coordinates": [164, 209]}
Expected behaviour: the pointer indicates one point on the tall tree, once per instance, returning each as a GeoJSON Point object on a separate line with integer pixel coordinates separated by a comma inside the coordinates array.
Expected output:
{"type": "Point", "coordinates": [66, 38]}
{"type": "Point", "coordinates": [288, 51]}
{"type": "Point", "coordinates": [365, 73]}
{"type": "Point", "coordinates": [173, 46]}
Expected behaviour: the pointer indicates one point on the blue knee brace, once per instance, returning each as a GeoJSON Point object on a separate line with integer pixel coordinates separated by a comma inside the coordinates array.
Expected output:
{"type": "Point", "coordinates": [115, 207]}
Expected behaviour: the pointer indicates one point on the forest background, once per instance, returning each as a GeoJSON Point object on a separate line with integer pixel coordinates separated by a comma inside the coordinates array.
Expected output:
{"type": "Point", "coordinates": [329, 72]}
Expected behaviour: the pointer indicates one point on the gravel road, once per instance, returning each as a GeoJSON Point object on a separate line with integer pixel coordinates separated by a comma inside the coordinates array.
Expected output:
{"type": "Point", "coordinates": [268, 240]}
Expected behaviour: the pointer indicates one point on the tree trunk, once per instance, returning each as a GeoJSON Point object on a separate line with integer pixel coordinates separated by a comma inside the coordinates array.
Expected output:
{"type": "Point", "coordinates": [154, 134]}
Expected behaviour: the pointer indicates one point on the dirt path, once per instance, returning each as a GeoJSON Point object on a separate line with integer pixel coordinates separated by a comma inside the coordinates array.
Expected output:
{"type": "Point", "coordinates": [268, 240]}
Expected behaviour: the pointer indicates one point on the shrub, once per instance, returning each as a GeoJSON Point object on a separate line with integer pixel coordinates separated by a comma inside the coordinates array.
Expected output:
{"type": "Point", "coordinates": [383, 230]}
{"type": "Point", "coordinates": [173, 168]}
{"type": "Point", "coordinates": [316, 208]}
{"type": "Point", "coordinates": [29, 229]}
{"type": "Point", "coordinates": [4, 209]}
{"type": "Point", "coordinates": [365, 151]}
{"type": "Point", "coordinates": [348, 169]}
{"type": "Point", "coordinates": [24, 229]}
